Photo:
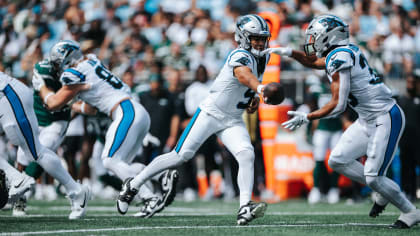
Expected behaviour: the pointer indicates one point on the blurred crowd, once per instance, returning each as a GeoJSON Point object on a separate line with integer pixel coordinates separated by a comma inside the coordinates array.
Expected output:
{"type": "Point", "coordinates": [169, 51]}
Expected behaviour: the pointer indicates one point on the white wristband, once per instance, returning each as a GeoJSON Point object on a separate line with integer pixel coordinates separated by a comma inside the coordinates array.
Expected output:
{"type": "Point", "coordinates": [259, 88]}
{"type": "Point", "coordinates": [82, 107]}
{"type": "Point", "coordinates": [47, 96]}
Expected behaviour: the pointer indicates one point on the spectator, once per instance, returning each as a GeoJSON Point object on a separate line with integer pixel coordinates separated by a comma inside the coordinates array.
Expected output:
{"type": "Point", "coordinates": [398, 50]}
{"type": "Point", "coordinates": [410, 140]}
{"type": "Point", "coordinates": [160, 105]}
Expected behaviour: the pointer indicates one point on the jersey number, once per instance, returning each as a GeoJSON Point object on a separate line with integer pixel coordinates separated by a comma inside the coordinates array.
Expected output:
{"type": "Point", "coordinates": [375, 78]}
{"type": "Point", "coordinates": [353, 100]}
{"type": "Point", "coordinates": [248, 94]}
{"type": "Point", "coordinates": [104, 74]}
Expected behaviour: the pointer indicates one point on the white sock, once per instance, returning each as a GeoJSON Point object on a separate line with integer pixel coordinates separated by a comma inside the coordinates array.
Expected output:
{"type": "Point", "coordinates": [52, 165]}
{"type": "Point", "coordinates": [245, 175]}
{"type": "Point", "coordinates": [11, 172]}
{"type": "Point", "coordinates": [159, 164]}
{"type": "Point", "coordinates": [391, 191]}
{"type": "Point", "coordinates": [147, 190]}
{"type": "Point", "coordinates": [123, 171]}
{"type": "Point", "coordinates": [379, 199]}
{"type": "Point", "coordinates": [137, 168]}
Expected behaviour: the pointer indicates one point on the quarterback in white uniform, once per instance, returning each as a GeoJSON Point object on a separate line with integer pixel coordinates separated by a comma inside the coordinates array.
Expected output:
{"type": "Point", "coordinates": [19, 122]}
{"type": "Point", "coordinates": [98, 89]}
{"type": "Point", "coordinates": [233, 91]}
{"type": "Point", "coordinates": [381, 121]}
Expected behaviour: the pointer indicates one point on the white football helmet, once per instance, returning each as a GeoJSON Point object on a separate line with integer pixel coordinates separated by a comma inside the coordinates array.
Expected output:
{"type": "Point", "coordinates": [64, 54]}
{"type": "Point", "coordinates": [323, 32]}
{"type": "Point", "coordinates": [248, 26]}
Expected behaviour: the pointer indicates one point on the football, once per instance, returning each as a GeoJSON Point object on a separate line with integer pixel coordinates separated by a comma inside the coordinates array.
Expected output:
{"type": "Point", "coordinates": [273, 93]}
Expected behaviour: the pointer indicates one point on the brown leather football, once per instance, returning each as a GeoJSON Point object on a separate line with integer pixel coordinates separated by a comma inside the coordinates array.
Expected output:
{"type": "Point", "coordinates": [273, 93]}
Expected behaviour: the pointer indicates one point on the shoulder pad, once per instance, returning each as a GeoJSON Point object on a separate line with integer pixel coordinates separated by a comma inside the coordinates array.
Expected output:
{"type": "Point", "coordinates": [339, 59]}
{"type": "Point", "coordinates": [240, 58]}
{"type": "Point", "coordinates": [72, 76]}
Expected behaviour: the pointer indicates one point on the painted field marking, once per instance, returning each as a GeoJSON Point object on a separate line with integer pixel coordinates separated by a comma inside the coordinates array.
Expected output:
{"type": "Point", "coordinates": [187, 227]}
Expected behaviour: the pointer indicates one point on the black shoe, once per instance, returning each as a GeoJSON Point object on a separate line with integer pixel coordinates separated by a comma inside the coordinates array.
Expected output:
{"type": "Point", "coordinates": [126, 196]}
{"type": "Point", "coordinates": [399, 225]}
{"type": "Point", "coordinates": [4, 191]}
{"type": "Point", "coordinates": [151, 207]}
{"type": "Point", "coordinates": [251, 211]}
{"type": "Point", "coordinates": [168, 183]}
{"type": "Point", "coordinates": [376, 210]}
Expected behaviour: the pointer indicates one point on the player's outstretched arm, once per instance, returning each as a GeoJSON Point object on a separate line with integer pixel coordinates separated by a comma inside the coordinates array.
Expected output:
{"type": "Point", "coordinates": [247, 78]}
{"type": "Point", "coordinates": [300, 56]}
{"type": "Point", "coordinates": [340, 89]}
{"type": "Point", "coordinates": [56, 101]}
{"type": "Point", "coordinates": [340, 86]}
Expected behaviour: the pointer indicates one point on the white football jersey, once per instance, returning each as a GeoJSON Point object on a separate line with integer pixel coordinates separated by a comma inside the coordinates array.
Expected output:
{"type": "Point", "coordinates": [228, 97]}
{"type": "Point", "coordinates": [368, 96]}
{"type": "Point", "coordinates": [4, 80]}
{"type": "Point", "coordinates": [106, 89]}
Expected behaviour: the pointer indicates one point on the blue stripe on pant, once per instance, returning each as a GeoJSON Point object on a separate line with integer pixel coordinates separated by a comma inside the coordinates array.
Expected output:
{"type": "Point", "coordinates": [123, 127]}
{"type": "Point", "coordinates": [21, 118]}
{"type": "Point", "coordinates": [187, 131]}
{"type": "Point", "coordinates": [396, 125]}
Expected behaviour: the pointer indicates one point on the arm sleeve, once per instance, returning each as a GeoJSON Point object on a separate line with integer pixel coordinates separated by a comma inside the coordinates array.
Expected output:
{"type": "Point", "coordinates": [343, 93]}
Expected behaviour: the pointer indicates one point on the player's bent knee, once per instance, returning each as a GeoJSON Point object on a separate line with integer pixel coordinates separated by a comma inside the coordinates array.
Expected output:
{"type": "Point", "coordinates": [246, 155]}
{"type": "Point", "coordinates": [333, 163]}
{"type": "Point", "coordinates": [372, 181]}
{"type": "Point", "coordinates": [108, 162]}
{"type": "Point", "coordinates": [185, 155]}
{"type": "Point", "coordinates": [336, 160]}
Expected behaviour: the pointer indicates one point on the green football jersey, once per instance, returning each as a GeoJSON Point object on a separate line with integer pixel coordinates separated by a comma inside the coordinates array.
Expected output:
{"type": "Point", "coordinates": [45, 117]}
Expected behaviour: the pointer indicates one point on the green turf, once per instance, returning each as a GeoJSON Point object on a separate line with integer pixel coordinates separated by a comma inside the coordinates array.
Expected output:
{"type": "Point", "coordinates": [293, 217]}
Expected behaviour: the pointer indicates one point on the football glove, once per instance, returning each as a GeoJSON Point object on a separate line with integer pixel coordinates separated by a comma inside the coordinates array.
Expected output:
{"type": "Point", "coordinates": [299, 119]}
{"type": "Point", "coordinates": [282, 51]}
{"type": "Point", "coordinates": [37, 82]}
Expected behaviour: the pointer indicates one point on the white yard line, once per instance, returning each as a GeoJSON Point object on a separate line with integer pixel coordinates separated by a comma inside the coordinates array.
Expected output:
{"type": "Point", "coordinates": [169, 212]}
{"type": "Point", "coordinates": [187, 227]}
{"type": "Point", "coordinates": [209, 214]}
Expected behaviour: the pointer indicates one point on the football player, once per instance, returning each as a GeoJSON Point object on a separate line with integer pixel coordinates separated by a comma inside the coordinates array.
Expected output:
{"type": "Point", "coordinates": [99, 90]}
{"type": "Point", "coordinates": [234, 90]}
{"type": "Point", "coordinates": [19, 122]}
{"type": "Point", "coordinates": [53, 125]}
{"type": "Point", "coordinates": [381, 121]}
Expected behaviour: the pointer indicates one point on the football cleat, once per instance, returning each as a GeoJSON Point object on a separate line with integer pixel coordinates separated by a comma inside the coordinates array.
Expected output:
{"type": "Point", "coordinates": [407, 220]}
{"type": "Point", "coordinates": [19, 208]}
{"type": "Point", "coordinates": [19, 187]}
{"type": "Point", "coordinates": [399, 225]}
{"type": "Point", "coordinates": [376, 210]}
{"type": "Point", "coordinates": [151, 207]}
{"type": "Point", "coordinates": [168, 183]}
{"type": "Point", "coordinates": [79, 203]}
{"type": "Point", "coordinates": [126, 196]}
{"type": "Point", "coordinates": [251, 211]}
{"type": "Point", "coordinates": [4, 190]}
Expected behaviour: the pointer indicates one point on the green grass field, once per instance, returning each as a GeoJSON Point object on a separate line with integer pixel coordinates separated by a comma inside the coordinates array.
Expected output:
{"type": "Point", "coordinates": [294, 217]}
